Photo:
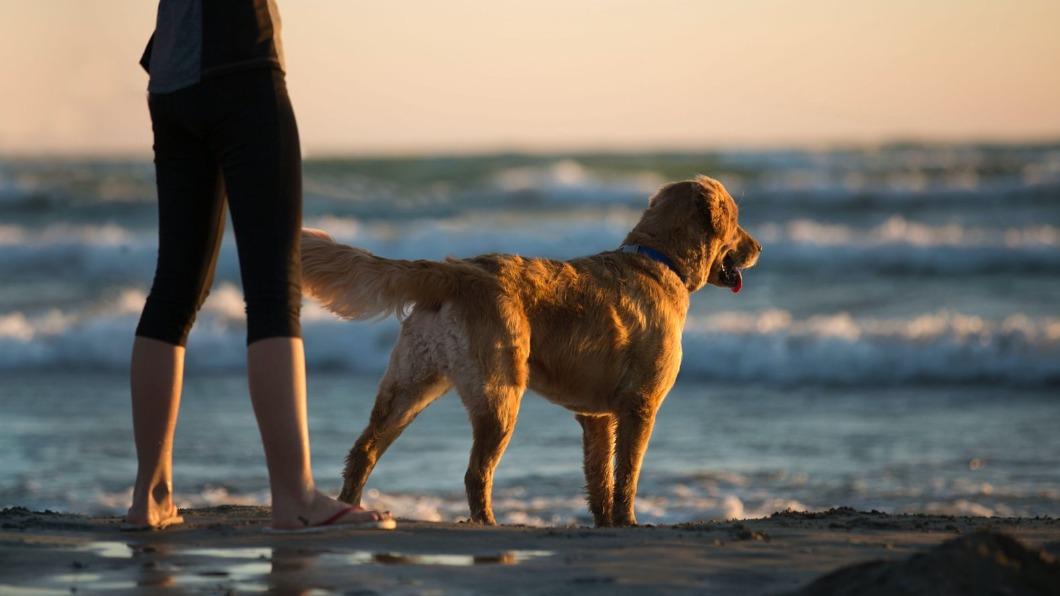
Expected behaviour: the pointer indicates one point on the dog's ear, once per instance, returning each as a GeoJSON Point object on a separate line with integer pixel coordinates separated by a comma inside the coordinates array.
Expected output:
{"type": "Point", "coordinates": [717, 210]}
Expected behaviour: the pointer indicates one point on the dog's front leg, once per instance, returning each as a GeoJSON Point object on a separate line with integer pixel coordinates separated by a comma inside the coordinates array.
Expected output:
{"type": "Point", "coordinates": [634, 431]}
{"type": "Point", "coordinates": [598, 443]}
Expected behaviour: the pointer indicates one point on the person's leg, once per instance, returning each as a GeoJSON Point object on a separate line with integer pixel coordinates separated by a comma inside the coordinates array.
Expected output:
{"type": "Point", "coordinates": [276, 367]}
{"type": "Point", "coordinates": [157, 370]}
{"type": "Point", "coordinates": [257, 143]}
{"type": "Point", "coordinates": [191, 222]}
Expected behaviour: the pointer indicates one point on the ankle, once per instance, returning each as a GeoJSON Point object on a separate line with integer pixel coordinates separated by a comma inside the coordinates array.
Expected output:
{"type": "Point", "coordinates": [162, 492]}
{"type": "Point", "coordinates": [299, 499]}
{"type": "Point", "coordinates": [157, 494]}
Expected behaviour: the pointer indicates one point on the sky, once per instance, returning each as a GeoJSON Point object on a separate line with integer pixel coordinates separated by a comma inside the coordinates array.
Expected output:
{"type": "Point", "coordinates": [481, 75]}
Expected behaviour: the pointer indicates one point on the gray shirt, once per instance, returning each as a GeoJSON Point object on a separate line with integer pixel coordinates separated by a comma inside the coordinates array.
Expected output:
{"type": "Point", "coordinates": [176, 54]}
{"type": "Point", "coordinates": [198, 39]}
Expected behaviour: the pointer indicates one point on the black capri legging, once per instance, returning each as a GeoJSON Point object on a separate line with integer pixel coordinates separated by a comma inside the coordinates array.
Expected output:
{"type": "Point", "coordinates": [236, 133]}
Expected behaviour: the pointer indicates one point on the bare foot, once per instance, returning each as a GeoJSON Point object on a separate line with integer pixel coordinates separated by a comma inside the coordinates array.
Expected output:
{"type": "Point", "coordinates": [322, 509]}
{"type": "Point", "coordinates": [152, 508]}
{"type": "Point", "coordinates": [154, 517]}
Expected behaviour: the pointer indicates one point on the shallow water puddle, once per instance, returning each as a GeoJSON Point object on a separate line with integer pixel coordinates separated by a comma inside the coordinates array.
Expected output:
{"type": "Point", "coordinates": [247, 569]}
{"type": "Point", "coordinates": [229, 553]}
{"type": "Point", "coordinates": [511, 557]}
{"type": "Point", "coordinates": [110, 549]}
{"type": "Point", "coordinates": [91, 581]}
{"type": "Point", "coordinates": [283, 559]}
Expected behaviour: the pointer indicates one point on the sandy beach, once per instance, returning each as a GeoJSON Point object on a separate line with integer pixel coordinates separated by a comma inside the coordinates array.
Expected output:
{"type": "Point", "coordinates": [225, 550]}
{"type": "Point", "coordinates": [778, 282]}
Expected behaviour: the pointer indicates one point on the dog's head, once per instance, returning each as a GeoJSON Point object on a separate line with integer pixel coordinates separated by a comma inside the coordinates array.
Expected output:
{"type": "Point", "coordinates": [695, 224]}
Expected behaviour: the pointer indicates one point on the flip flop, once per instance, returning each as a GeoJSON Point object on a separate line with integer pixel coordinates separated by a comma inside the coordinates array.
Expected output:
{"type": "Point", "coordinates": [329, 524]}
{"type": "Point", "coordinates": [173, 520]}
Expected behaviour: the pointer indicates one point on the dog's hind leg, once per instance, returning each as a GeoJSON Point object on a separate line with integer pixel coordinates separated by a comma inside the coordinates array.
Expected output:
{"type": "Point", "coordinates": [411, 383]}
{"type": "Point", "coordinates": [598, 442]}
{"type": "Point", "coordinates": [493, 412]}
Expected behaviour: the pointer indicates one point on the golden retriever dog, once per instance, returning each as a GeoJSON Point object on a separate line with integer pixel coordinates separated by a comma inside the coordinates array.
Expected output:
{"type": "Point", "coordinates": [598, 335]}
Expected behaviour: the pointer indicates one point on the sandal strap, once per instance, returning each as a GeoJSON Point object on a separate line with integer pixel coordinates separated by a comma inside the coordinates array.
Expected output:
{"type": "Point", "coordinates": [334, 518]}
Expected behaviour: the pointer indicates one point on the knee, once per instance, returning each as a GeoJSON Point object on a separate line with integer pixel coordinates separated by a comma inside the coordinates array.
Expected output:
{"type": "Point", "coordinates": [168, 319]}
{"type": "Point", "coordinates": [276, 314]}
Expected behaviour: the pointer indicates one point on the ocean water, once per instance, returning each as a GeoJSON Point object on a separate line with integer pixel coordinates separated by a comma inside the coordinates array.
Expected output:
{"type": "Point", "coordinates": [897, 348]}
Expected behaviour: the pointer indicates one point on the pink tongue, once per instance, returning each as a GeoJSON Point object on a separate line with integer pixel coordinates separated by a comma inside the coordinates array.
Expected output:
{"type": "Point", "coordinates": [739, 281]}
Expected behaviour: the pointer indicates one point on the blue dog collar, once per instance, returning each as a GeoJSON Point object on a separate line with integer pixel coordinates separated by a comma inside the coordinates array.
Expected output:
{"type": "Point", "coordinates": [654, 255]}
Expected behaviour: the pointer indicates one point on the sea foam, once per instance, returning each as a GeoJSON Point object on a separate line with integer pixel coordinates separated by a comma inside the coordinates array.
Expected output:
{"type": "Point", "coordinates": [769, 346]}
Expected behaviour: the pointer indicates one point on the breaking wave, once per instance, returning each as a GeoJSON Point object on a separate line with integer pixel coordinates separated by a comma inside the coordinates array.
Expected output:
{"type": "Point", "coordinates": [770, 347]}
{"type": "Point", "coordinates": [113, 254]}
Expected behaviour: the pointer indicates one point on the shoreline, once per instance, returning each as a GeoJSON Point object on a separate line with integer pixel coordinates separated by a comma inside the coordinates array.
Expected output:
{"type": "Point", "coordinates": [224, 548]}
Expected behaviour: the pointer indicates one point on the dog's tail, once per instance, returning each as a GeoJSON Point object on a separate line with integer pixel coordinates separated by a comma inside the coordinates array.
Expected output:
{"type": "Point", "coordinates": [355, 284]}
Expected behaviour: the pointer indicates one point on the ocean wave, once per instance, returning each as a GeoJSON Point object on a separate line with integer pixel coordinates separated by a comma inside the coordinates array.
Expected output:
{"type": "Point", "coordinates": [770, 347]}
{"type": "Point", "coordinates": [899, 245]}
{"type": "Point", "coordinates": [901, 231]}
{"type": "Point", "coordinates": [897, 170]}
{"type": "Point", "coordinates": [65, 234]}
{"type": "Point", "coordinates": [110, 253]}
{"type": "Point", "coordinates": [942, 347]}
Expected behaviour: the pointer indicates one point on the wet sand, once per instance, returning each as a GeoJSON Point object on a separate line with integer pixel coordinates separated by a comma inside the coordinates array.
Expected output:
{"type": "Point", "coordinates": [224, 549]}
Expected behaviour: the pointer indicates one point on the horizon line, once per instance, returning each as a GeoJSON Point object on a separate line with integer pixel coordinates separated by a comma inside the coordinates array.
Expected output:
{"type": "Point", "coordinates": [485, 149]}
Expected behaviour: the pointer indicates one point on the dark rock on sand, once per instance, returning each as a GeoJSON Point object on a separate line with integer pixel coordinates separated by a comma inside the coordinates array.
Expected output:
{"type": "Point", "coordinates": [743, 532]}
{"type": "Point", "coordinates": [982, 563]}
